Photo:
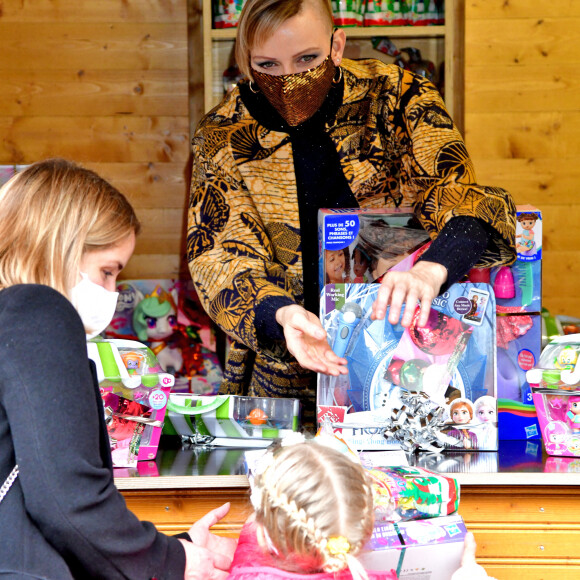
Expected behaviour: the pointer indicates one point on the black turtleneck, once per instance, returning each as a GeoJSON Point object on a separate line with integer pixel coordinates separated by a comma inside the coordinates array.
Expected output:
{"type": "Point", "coordinates": [321, 183]}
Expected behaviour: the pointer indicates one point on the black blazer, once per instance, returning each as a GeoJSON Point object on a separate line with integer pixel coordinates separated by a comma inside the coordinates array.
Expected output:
{"type": "Point", "coordinates": [63, 517]}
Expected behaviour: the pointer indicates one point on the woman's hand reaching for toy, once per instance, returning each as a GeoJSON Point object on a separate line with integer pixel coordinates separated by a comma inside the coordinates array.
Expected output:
{"type": "Point", "coordinates": [419, 284]}
{"type": "Point", "coordinates": [208, 557]}
{"type": "Point", "coordinates": [470, 569]}
{"type": "Point", "coordinates": [306, 340]}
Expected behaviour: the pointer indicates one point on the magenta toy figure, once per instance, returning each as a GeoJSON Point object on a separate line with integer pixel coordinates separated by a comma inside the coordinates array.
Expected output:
{"type": "Point", "coordinates": [573, 413]}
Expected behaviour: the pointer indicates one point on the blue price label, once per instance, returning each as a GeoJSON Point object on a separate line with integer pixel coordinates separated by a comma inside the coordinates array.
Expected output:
{"type": "Point", "coordinates": [340, 231]}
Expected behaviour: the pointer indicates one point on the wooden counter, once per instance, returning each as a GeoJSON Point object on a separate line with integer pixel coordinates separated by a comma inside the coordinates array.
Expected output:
{"type": "Point", "coordinates": [523, 507]}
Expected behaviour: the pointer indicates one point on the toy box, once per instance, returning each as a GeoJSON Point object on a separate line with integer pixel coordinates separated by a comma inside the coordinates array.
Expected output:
{"type": "Point", "coordinates": [428, 387]}
{"type": "Point", "coordinates": [166, 315]}
{"type": "Point", "coordinates": [134, 390]}
{"type": "Point", "coordinates": [555, 384]}
{"type": "Point", "coordinates": [518, 293]}
{"type": "Point", "coordinates": [421, 549]}
{"type": "Point", "coordinates": [360, 245]}
{"type": "Point", "coordinates": [518, 351]}
{"type": "Point", "coordinates": [231, 419]}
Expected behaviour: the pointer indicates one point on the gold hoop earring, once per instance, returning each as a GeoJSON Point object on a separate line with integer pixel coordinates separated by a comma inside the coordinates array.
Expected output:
{"type": "Point", "coordinates": [252, 88]}
{"type": "Point", "coordinates": [337, 81]}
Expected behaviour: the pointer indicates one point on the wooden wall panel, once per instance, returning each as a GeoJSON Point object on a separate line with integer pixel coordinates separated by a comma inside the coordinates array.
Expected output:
{"type": "Point", "coordinates": [522, 121]}
{"type": "Point", "coordinates": [105, 83]}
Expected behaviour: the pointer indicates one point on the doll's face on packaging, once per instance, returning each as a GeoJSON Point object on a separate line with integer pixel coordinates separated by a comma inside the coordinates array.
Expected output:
{"type": "Point", "coordinates": [162, 327]}
{"type": "Point", "coordinates": [460, 414]}
{"type": "Point", "coordinates": [574, 407]}
{"type": "Point", "coordinates": [298, 44]}
{"type": "Point", "coordinates": [335, 265]}
{"type": "Point", "coordinates": [486, 414]}
{"type": "Point", "coordinates": [527, 224]}
{"type": "Point", "coordinates": [360, 263]}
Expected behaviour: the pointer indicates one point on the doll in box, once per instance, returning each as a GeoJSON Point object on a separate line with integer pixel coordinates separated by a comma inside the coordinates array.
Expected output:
{"type": "Point", "coordinates": [461, 413]}
{"type": "Point", "coordinates": [155, 322]}
{"type": "Point", "coordinates": [573, 413]}
{"type": "Point", "coordinates": [361, 263]}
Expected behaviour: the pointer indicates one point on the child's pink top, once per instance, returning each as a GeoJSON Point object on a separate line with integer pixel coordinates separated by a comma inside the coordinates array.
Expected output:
{"type": "Point", "coordinates": [252, 563]}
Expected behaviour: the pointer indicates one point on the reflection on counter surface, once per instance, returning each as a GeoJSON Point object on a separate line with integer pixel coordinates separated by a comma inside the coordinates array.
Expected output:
{"type": "Point", "coordinates": [175, 459]}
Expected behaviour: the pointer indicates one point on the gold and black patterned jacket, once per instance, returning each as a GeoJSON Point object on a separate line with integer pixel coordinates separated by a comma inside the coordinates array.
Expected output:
{"type": "Point", "coordinates": [397, 147]}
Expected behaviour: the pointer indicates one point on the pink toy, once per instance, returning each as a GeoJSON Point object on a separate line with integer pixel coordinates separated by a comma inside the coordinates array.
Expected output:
{"type": "Point", "coordinates": [555, 435]}
{"type": "Point", "coordinates": [573, 413]}
{"type": "Point", "coordinates": [504, 286]}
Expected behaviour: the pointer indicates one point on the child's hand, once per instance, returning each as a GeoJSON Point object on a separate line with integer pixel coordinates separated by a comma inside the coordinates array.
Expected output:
{"type": "Point", "coordinates": [470, 569]}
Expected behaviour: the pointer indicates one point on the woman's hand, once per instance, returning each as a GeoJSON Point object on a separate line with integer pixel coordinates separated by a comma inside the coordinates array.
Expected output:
{"type": "Point", "coordinates": [420, 284]}
{"type": "Point", "coordinates": [306, 340]}
{"type": "Point", "coordinates": [208, 557]}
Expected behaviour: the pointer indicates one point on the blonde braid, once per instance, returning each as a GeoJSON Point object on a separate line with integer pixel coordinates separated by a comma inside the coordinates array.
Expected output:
{"type": "Point", "coordinates": [308, 498]}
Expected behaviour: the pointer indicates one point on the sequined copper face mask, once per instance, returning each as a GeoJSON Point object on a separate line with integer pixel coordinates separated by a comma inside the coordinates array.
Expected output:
{"type": "Point", "coordinates": [297, 96]}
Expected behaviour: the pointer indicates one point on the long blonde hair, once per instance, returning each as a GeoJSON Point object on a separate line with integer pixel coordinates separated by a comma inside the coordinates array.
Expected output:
{"type": "Point", "coordinates": [51, 213]}
{"type": "Point", "coordinates": [312, 497]}
{"type": "Point", "coordinates": [260, 18]}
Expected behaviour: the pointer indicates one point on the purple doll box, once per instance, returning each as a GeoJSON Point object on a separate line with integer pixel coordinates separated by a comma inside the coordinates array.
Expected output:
{"type": "Point", "coordinates": [426, 549]}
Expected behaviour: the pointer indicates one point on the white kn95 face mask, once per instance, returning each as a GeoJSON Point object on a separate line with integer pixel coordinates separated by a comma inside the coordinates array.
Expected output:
{"type": "Point", "coordinates": [95, 305]}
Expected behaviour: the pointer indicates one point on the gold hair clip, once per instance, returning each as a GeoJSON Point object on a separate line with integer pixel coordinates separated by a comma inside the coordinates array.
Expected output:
{"type": "Point", "coordinates": [337, 545]}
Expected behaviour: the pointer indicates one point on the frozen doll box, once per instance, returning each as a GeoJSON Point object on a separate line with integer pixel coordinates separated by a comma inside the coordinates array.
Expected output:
{"type": "Point", "coordinates": [429, 388]}
{"type": "Point", "coordinates": [360, 245]}
{"type": "Point", "coordinates": [555, 384]}
{"type": "Point", "coordinates": [231, 420]}
{"type": "Point", "coordinates": [135, 391]}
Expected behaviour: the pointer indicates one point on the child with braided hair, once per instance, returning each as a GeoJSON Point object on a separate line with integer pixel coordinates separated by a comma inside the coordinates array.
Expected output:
{"type": "Point", "coordinates": [313, 515]}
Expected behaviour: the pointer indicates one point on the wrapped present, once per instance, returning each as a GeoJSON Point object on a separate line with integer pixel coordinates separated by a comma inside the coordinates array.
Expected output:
{"type": "Point", "coordinates": [409, 493]}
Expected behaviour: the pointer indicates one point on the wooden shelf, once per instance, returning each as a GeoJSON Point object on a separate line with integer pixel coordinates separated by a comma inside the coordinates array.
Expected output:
{"type": "Point", "coordinates": [440, 43]}
{"type": "Point", "coordinates": [359, 32]}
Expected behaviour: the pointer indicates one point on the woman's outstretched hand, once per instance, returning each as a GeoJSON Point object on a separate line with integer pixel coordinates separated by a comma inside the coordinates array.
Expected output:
{"type": "Point", "coordinates": [421, 284]}
{"type": "Point", "coordinates": [208, 556]}
{"type": "Point", "coordinates": [306, 340]}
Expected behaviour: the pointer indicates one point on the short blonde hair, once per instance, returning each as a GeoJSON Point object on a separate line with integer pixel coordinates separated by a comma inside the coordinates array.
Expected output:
{"type": "Point", "coordinates": [51, 213]}
{"type": "Point", "coordinates": [310, 493]}
{"type": "Point", "coordinates": [259, 19]}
